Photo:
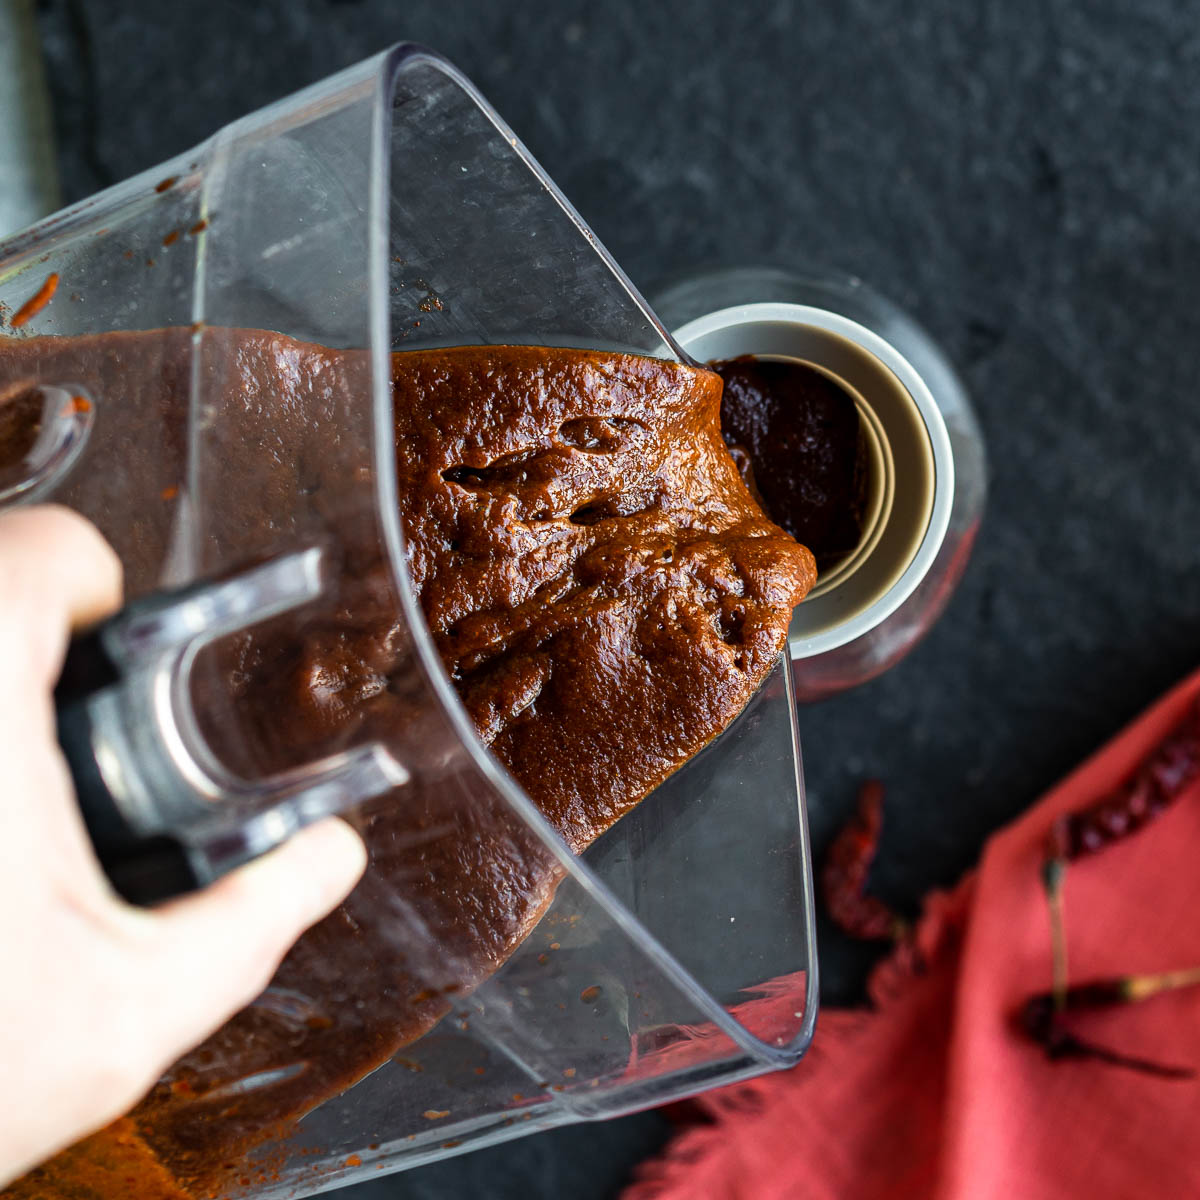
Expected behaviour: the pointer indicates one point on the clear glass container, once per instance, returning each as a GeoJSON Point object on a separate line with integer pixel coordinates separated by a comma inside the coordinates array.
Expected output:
{"type": "Point", "coordinates": [925, 445]}
{"type": "Point", "coordinates": [384, 209]}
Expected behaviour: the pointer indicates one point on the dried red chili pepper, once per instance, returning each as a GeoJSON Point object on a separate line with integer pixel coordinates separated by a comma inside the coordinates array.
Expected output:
{"type": "Point", "coordinates": [1042, 1017]}
{"type": "Point", "coordinates": [1158, 782]}
{"type": "Point", "coordinates": [846, 868]}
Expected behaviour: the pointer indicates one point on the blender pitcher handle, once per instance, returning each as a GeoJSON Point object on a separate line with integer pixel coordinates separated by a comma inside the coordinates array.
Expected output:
{"type": "Point", "coordinates": [164, 816]}
{"type": "Point", "coordinates": [143, 869]}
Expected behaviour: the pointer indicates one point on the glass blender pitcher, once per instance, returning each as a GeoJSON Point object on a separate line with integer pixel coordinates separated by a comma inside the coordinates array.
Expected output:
{"type": "Point", "coordinates": [386, 209]}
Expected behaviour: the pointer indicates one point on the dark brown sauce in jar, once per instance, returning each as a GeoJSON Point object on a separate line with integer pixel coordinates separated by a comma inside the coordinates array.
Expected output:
{"type": "Point", "coordinates": [795, 435]}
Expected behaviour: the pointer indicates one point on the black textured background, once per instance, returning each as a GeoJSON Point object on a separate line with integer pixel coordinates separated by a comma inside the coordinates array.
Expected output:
{"type": "Point", "coordinates": [1023, 175]}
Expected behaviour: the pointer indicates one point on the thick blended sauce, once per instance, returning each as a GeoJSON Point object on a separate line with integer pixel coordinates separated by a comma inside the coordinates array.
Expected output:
{"type": "Point", "coordinates": [794, 434]}
{"type": "Point", "coordinates": [605, 594]}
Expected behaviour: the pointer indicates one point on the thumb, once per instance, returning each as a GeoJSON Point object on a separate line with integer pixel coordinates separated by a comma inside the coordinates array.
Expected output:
{"type": "Point", "coordinates": [210, 954]}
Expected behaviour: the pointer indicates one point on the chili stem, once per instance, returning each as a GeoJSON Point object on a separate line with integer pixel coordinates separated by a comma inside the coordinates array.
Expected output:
{"type": "Point", "coordinates": [1052, 882]}
{"type": "Point", "coordinates": [1141, 987]}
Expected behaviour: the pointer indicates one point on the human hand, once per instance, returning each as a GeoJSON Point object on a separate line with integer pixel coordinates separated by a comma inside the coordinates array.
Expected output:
{"type": "Point", "coordinates": [100, 997]}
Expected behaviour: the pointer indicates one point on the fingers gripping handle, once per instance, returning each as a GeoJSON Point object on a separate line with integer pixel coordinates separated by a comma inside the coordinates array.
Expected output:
{"type": "Point", "coordinates": [163, 814]}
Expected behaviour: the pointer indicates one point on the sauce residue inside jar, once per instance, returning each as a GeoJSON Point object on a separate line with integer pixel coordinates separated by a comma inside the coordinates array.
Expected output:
{"type": "Point", "coordinates": [795, 435]}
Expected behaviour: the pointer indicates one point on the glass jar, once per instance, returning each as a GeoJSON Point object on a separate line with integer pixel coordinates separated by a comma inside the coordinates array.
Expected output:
{"type": "Point", "coordinates": [927, 467]}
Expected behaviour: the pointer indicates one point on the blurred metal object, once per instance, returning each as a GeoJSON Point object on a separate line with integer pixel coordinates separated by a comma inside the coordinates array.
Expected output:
{"type": "Point", "coordinates": [28, 168]}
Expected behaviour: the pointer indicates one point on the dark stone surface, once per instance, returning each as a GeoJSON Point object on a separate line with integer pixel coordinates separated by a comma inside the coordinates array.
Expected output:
{"type": "Point", "coordinates": [1023, 176]}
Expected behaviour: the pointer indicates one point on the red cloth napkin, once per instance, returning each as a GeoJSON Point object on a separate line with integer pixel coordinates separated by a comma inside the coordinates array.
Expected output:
{"type": "Point", "coordinates": [934, 1093]}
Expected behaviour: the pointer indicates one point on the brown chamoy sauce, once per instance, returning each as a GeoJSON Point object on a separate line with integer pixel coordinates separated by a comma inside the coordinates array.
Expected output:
{"type": "Point", "coordinates": [605, 593]}
{"type": "Point", "coordinates": [794, 434]}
